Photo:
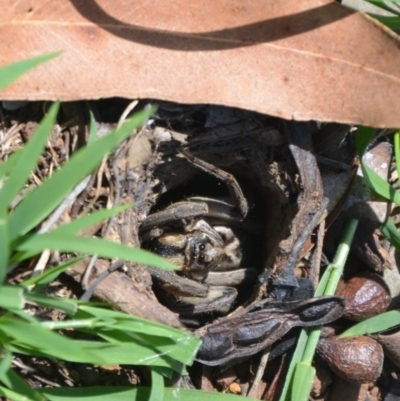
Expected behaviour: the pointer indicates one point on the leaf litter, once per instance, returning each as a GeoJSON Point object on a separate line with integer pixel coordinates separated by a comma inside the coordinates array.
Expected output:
{"type": "Point", "coordinates": [295, 60]}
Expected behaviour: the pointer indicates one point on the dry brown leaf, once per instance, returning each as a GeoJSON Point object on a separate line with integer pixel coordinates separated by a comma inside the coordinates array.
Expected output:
{"type": "Point", "coordinates": [294, 59]}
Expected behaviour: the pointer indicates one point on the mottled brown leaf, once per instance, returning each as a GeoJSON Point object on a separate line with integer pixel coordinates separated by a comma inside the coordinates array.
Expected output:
{"type": "Point", "coordinates": [295, 59]}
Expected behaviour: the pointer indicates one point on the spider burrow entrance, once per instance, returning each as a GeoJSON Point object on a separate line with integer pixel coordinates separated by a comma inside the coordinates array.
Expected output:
{"type": "Point", "coordinates": [215, 240]}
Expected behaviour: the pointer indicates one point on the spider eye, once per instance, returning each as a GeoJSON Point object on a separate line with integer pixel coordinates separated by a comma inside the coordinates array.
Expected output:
{"type": "Point", "coordinates": [201, 258]}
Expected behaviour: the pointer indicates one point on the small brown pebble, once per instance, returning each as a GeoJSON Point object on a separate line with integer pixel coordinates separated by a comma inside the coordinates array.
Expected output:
{"type": "Point", "coordinates": [235, 388]}
{"type": "Point", "coordinates": [365, 295]}
{"type": "Point", "coordinates": [355, 359]}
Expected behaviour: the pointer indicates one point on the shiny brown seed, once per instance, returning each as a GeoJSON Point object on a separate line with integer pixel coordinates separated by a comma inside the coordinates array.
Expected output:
{"type": "Point", "coordinates": [355, 359]}
{"type": "Point", "coordinates": [365, 295]}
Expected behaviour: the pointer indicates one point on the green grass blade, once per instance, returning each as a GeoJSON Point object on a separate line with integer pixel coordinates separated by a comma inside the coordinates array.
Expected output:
{"type": "Point", "coordinates": [375, 324]}
{"type": "Point", "coordinates": [35, 339]}
{"type": "Point", "coordinates": [132, 394]}
{"type": "Point", "coordinates": [381, 4]}
{"type": "Point", "coordinates": [20, 313]}
{"type": "Point", "coordinates": [334, 271]}
{"type": "Point", "coordinates": [160, 346]}
{"type": "Point", "coordinates": [13, 396]}
{"type": "Point", "coordinates": [374, 181]}
{"type": "Point", "coordinates": [100, 353]}
{"type": "Point", "coordinates": [116, 331]}
{"type": "Point", "coordinates": [296, 359]}
{"type": "Point", "coordinates": [12, 297]}
{"type": "Point", "coordinates": [379, 185]}
{"type": "Point", "coordinates": [5, 361]}
{"type": "Point", "coordinates": [93, 246]}
{"type": "Point", "coordinates": [92, 126]}
{"type": "Point", "coordinates": [4, 243]}
{"type": "Point", "coordinates": [180, 346]}
{"type": "Point", "coordinates": [11, 72]}
{"type": "Point", "coordinates": [75, 226]}
{"type": "Point", "coordinates": [342, 253]}
{"type": "Point", "coordinates": [363, 138]}
{"type": "Point", "coordinates": [167, 373]}
{"type": "Point", "coordinates": [43, 200]}
{"type": "Point", "coordinates": [129, 323]}
{"type": "Point", "coordinates": [15, 384]}
{"type": "Point", "coordinates": [50, 275]}
{"type": "Point", "coordinates": [390, 22]}
{"type": "Point", "coordinates": [302, 382]}
{"type": "Point", "coordinates": [307, 344]}
{"type": "Point", "coordinates": [70, 324]}
{"type": "Point", "coordinates": [323, 282]}
{"type": "Point", "coordinates": [157, 386]}
{"type": "Point", "coordinates": [396, 141]}
{"type": "Point", "coordinates": [28, 158]}
{"type": "Point", "coordinates": [389, 230]}
{"type": "Point", "coordinates": [21, 256]}
{"type": "Point", "coordinates": [8, 166]}
{"type": "Point", "coordinates": [38, 340]}
{"type": "Point", "coordinates": [126, 328]}
{"type": "Point", "coordinates": [121, 328]}
{"type": "Point", "coordinates": [62, 304]}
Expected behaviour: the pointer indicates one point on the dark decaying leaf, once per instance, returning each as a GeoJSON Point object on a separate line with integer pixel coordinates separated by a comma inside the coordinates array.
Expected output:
{"type": "Point", "coordinates": [245, 335]}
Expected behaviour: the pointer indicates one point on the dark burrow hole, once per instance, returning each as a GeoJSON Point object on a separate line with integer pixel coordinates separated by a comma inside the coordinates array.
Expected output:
{"type": "Point", "coordinates": [265, 211]}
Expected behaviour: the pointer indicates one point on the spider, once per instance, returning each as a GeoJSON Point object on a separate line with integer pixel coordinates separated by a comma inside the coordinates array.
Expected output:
{"type": "Point", "coordinates": [206, 238]}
